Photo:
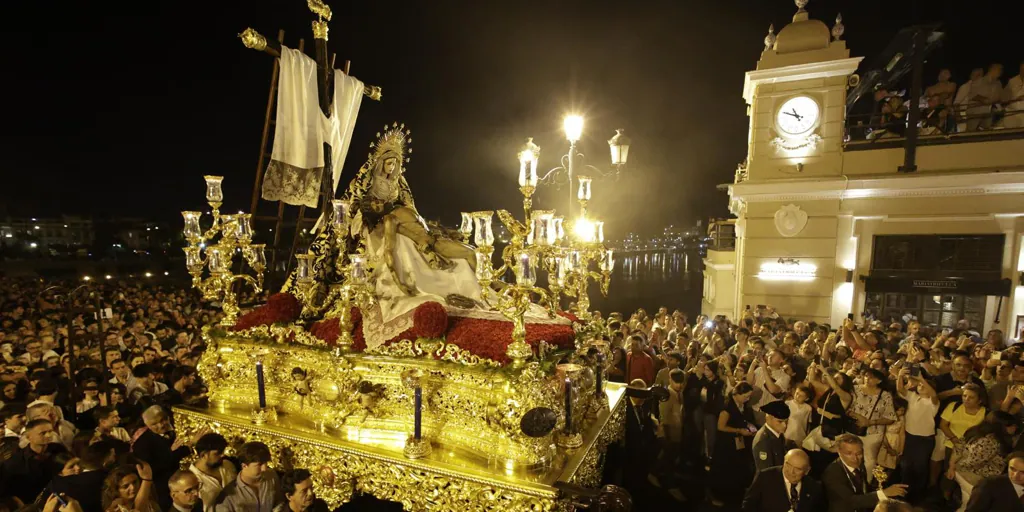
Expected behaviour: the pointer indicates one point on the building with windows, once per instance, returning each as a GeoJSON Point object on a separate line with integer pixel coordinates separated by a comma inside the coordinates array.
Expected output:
{"type": "Point", "coordinates": [44, 233]}
{"type": "Point", "coordinates": [830, 222]}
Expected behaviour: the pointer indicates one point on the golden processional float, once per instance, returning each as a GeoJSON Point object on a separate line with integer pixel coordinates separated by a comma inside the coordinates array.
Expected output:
{"type": "Point", "coordinates": [398, 361]}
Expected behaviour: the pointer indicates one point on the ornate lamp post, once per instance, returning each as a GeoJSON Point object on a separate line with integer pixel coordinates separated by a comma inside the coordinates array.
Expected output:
{"type": "Point", "coordinates": [564, 173]}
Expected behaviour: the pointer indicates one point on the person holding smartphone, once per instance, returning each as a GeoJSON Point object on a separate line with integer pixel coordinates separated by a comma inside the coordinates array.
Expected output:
{"type": "Point", "coordinates": [732, 467]}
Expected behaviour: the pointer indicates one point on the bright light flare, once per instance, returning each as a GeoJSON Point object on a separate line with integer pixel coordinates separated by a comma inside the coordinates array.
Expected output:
{"type": "Point", "coordinates": [573, 125]}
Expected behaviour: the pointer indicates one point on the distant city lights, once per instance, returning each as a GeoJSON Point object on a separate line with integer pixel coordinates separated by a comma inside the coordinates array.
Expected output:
{"type": "Point", "coordinates": [86, 278]}
{"type": "Point", "coordinates": [149, 274]}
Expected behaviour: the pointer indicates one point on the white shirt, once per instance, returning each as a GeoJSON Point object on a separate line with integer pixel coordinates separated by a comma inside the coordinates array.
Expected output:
{"type": "Point", "coordinates": [796, 429]}
{"type": "Point", "coordinates": [210, 487]}
{"type": "Point", "coordinates": [920, 418]}
{"type": "Point", "coordinates": [780, 377]}
{"type": "Point", "coordinates": [10, 433]}
{"type": "Point", "coordinates": [849, 474]}
{"type": "Point", "coordinates": [799, 485]}
{"type": "Point", "coordinates": [1019, 489]}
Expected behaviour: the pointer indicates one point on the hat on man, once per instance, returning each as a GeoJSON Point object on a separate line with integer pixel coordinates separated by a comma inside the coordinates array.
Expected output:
{"type": "Point", "coordinates": [777, 409]}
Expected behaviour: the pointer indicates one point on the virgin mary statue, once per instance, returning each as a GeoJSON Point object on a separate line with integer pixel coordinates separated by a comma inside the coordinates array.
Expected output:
{"type": "Point", "coordinates": [412, 263]}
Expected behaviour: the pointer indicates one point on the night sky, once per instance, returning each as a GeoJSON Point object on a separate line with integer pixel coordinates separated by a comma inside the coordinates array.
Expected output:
{"type": "Point", "coordinates": [119, 112]}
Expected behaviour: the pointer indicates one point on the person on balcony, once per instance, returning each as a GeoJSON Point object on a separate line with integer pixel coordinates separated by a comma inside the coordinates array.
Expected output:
{"type": "Point", "coordinates": [940, 101]}
{"type": "Point", "coordinates": [985, 95]}
{"type": "Point", "coordinates": [1013, 98]}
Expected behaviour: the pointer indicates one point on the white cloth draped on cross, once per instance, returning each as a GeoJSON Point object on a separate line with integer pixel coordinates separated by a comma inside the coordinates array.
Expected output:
{"type": "Point", "coordinates": [297, 160]}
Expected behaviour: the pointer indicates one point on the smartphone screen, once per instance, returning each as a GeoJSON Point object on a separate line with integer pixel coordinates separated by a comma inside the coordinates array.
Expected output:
{"type": "Point", "coordinates": [817, 359]}
{"type": "Point", "coordinates": [915, 370]}
{"type": "Point", "coordinates": [752, 428]}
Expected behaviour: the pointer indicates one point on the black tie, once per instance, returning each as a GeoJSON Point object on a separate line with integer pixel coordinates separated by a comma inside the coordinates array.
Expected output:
{"type": "Point", "coordinates": [858, 480]}
{"type": "Point", "coordinates": [794, 497]}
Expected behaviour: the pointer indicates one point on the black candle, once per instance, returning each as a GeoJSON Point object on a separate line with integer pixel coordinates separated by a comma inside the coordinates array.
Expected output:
{"type": "Point", "coordinates": [599, 371]}
{"type": "Point", "coordinates": [419, 413]}
{"type": "Point", "coordinates": [568, 406]}
{"type": "Point", "coordinates": [260, 386]}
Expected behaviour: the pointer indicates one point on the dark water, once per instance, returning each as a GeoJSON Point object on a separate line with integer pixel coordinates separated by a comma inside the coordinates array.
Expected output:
{"type": "Point", "coordinates": [651, 280]}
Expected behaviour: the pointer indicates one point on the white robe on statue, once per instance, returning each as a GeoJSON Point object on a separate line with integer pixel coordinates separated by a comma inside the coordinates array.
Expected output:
{"type": "Point", "coordinates": [394, 313]}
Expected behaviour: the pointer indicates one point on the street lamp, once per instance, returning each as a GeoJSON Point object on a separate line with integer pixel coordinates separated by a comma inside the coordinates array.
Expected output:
{"type": "Point", "coordinates": [573, 125]}
{"type": "Point", "coordinates": [619, 145]}
{"type": "Point", "coordinates": [564, 173]}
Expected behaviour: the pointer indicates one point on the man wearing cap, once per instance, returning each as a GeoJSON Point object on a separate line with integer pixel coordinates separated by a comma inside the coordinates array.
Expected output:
{"type": "Point", "coordinates": [770, 444]}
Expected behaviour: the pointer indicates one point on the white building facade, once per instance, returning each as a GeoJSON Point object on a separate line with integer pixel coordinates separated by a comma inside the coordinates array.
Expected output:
{"type": "Point", "coordinates": [828, 227]}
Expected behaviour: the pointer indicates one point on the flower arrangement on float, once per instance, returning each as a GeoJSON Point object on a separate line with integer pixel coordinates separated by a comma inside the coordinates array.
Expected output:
{"type": "Point", "coordinates": [457, 339]}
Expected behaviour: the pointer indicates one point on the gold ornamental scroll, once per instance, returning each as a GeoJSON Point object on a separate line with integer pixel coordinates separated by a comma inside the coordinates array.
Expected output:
{"type": "Point", "coordinates": [347, 418]}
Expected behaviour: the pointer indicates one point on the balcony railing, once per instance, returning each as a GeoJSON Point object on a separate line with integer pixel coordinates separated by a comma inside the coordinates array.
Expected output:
{"type": "Point", "coordinates": [722, 236]}
{"type": "Point", "coordinates": [888, 127]}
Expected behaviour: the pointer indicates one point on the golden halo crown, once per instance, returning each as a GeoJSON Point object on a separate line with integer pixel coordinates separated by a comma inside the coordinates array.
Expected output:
{"type": "Point", "coordinates": [395, 139]}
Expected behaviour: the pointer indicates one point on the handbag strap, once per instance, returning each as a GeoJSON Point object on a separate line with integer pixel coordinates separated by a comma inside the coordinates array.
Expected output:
{"type": "Point", "coordinates": [878, 398]}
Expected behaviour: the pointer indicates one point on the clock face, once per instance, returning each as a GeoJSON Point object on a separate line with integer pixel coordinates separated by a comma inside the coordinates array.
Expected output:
{"type": "Point", "coordinates": [797, 116]}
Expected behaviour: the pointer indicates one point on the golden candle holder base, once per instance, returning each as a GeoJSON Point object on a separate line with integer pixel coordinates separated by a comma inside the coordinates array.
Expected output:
{"type": "Point", "coordinates": [263, 415]}
{"type": "Point", "coordinates": [416, 448]}
{"type": "Point", "coordinates": [519, 352]}
{"type": "Point", "coordinates": [570, 441]}
{"type": "Point", "coordinates": [598, 406]}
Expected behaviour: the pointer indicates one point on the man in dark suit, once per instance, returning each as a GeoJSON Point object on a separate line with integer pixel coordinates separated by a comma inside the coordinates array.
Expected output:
{"type": "Point", "coordinates": [786, 488]}
{"type": "Point", "coordinates": [1001, 493]}
{"type": "Point", "coordinates": [158, 446]}
{"type": "Point", "coordinates": [87, 487]}
{"type": "Point", "coordinates": [770, 445]}
{"type": "Point", "coordinates": [846, 481]}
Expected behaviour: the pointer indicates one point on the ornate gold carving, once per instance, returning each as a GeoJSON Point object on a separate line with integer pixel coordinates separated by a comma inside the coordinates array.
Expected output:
{"type": "Point", "coordinates": [318, 7]}
{"type": "Point", "coordinates": [253, 39]}
{"type": "Point", "coordinates": [416, 448]}
{"type": "Point", "coordinates": [320, 30]}
{"type": "Point", "coordinates": [347, 418]}
{"type": "Point", "coordinates": [373, 92]}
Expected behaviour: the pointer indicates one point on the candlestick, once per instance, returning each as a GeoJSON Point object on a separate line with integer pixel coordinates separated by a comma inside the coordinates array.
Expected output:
{"type": "Point", "coordinates": [419, 413]}
{"type": "Point", "coordinates": [260, 386]}
{"type": "Point", "coordinates": [568, 406]}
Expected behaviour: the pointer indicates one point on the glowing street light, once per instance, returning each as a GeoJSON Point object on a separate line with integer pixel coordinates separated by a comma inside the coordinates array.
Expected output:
{"type": "Point", "coordinates": [573, 125]}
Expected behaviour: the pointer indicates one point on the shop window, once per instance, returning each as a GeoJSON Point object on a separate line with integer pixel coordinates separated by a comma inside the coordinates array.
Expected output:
{"type": "Point", "coordinates": [936, 311]}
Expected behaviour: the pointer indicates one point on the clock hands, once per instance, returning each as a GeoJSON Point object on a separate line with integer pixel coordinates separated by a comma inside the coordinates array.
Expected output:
{"type": "Point", "coordinates": [794, 114]}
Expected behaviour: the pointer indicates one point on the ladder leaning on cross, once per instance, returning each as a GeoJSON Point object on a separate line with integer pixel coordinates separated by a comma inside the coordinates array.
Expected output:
{"type": "Point", "coordinates": [254, 40]}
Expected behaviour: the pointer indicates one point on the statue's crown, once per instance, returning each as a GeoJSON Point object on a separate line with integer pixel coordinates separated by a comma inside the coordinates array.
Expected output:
{"type": "Point", "coordinates": [395, 139]}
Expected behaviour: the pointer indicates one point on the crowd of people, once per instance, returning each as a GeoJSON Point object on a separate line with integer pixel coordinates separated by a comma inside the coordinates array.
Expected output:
{"type": "Point", "coordinates": [982, 102]}
{"type": "Point", "coordinates": [772, 414]}
{"type": "Point", "coordinates": [88, 377]}
{"type": "Point", "coordinates": [761, 414]}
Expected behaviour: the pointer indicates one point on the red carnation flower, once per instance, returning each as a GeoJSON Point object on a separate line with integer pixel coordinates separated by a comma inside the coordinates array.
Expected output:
{"type": "Point", "coordinates": [430, 320]}
{"type": "Point", "coordinates": [285, 307]}
{"type": "Point", "coordinates": [280, 308]}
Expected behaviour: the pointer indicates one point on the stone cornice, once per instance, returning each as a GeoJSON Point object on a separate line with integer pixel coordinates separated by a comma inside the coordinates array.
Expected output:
{"type": "Point", "coordinates": [825, 69]}
{"type": "Point", "coordinates": [898, 186]}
